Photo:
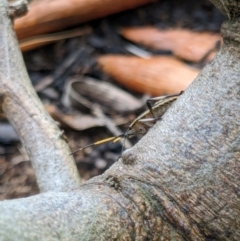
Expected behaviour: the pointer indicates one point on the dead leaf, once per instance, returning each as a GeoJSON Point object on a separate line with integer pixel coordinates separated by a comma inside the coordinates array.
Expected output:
{"type": "Point", "coordinates": [47, 16]}
{"type": "Point", "coordinates": [82, 93]}
{"type": "Point", "coordinates": [156, 76]}
{"type": "Point", "coordinates": [186, 44]}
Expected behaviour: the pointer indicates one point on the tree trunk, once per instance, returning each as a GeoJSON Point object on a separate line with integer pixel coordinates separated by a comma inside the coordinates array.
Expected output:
{"type": "Point", "coordinates": [180, 182]}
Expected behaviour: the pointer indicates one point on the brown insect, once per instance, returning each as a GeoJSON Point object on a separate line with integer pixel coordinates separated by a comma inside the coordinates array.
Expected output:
{"type": "Point", "coordinates": [143, 122]}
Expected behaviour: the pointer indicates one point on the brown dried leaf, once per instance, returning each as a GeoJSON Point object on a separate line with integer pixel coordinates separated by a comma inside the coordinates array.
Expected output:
{"type": "Point", "coordinates": [46, 16]}
{"type": "Point", "coordinates": [155, 76]}
{"type": "Point", "coordinates": [186, 44]}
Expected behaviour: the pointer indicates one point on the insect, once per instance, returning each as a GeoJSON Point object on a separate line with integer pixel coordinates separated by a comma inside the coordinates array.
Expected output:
{"type": "Point", "coordinates": [143, 122]}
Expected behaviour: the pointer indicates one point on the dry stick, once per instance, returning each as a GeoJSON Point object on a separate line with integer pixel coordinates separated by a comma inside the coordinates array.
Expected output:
{"type": "Point", "coordinates": [54, 168]}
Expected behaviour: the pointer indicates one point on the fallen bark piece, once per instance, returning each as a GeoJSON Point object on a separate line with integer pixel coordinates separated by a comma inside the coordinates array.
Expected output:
{"type": "Point", "coordinates": [186, 44]}
{"type": "Point", "coordinates": [46, 16]}
{"type": "Point", "coordinates": [155, 76]}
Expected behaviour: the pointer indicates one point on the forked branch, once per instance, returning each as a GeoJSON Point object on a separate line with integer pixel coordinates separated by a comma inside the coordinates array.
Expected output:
{"type": "Point", "coordinates": [180, 182]}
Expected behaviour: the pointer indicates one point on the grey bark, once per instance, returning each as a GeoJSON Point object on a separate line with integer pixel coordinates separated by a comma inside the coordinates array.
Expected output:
{"type": "Point", "coordinates": [55, 170]}
{"type": "Point", "coordinates": [180, 182]}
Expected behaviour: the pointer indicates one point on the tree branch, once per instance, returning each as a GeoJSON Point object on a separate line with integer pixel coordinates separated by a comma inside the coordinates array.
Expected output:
{"type": "Point", "coordinates": [54, 168]}
{"type": "Point", "coordinates": [180, 182]}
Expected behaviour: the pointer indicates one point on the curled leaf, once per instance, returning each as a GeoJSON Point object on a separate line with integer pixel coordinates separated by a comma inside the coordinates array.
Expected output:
{"type": "Point", "coordinates": [85, 92]}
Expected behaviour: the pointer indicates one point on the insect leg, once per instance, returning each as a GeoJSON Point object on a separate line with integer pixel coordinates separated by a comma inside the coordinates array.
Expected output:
{"type": "Point", "coordinates": [159, 98]}
{"type": "Point", "coordinates": [146, 120]}
{"type": "Point", "coordinates": [148, 103]}
{"type": "Point", "coordinates": [150, 107]}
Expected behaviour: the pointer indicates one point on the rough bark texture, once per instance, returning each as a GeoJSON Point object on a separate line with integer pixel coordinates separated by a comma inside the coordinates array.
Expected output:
{"type": "Point", "coordinates": [230, 8]}
{"type": "Point", "coordinates": [180, 182]}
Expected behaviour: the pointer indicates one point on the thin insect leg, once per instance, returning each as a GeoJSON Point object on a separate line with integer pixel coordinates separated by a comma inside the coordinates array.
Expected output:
{"type": "Point", "coordinates": [119, 138]}
{"type": "Point", "coordinates": [123, 144]}
{"type": "Point", "coordinates": [159, 98]}
{"type": "Point", "coordinates": [151, 109]}
{"type": "Point", "coordinates": [146, 120]}
{"type": "Point", "coordinates": [163, 97]}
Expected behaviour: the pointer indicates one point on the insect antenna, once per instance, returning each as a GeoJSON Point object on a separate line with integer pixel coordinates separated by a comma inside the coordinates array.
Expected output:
{"type": "Point", "coordinates": [113, 139]}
